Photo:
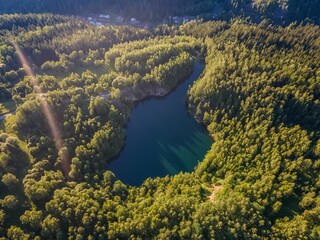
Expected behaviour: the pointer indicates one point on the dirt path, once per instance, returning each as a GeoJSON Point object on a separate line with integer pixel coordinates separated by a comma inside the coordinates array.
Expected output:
{"type": "Point", "coordinates": [215, 189]}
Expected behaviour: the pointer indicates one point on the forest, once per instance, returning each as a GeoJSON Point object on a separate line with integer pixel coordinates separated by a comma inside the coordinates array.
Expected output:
{"type": "Point", "coordinates": [277, 11]}
{"type": "Point", "coordinates": [258, 97]}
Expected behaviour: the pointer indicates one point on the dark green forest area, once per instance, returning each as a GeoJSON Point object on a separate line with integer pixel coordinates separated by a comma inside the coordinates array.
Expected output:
{"type": "Point", "coordinates": [259, 97]}
{"type": "Point", "coordinates": [280, 11]}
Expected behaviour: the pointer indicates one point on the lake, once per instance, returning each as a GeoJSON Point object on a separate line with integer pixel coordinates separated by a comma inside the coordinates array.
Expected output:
{"type": "Point", "coordinates": [162, 138]}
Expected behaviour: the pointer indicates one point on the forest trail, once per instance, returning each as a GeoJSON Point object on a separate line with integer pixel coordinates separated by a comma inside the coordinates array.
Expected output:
{"type": "Point", "coordinates": [215, 190]}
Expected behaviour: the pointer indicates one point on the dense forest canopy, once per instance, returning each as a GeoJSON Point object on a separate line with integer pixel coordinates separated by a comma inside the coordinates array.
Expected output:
{"type": "Point", "coordinates": [280, 11]}
{"type": "Point", "coordinates": [258, 96]}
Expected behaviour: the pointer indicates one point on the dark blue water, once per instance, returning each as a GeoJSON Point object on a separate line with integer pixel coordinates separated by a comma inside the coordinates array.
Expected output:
{"type": "Point", "coordinates": [162, 138]}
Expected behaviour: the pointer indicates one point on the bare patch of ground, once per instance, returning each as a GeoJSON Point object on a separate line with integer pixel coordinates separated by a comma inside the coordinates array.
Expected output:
{"type": "Point", "coordinates": [215, 189]}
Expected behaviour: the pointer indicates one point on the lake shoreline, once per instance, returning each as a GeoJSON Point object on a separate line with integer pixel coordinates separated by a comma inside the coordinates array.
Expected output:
{"type": "Point", "coordinates": [191, 142]}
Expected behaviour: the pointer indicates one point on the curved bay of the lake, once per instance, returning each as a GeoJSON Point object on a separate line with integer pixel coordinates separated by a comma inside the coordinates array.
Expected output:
{"type": "Point", "coordinates": [162, 138]}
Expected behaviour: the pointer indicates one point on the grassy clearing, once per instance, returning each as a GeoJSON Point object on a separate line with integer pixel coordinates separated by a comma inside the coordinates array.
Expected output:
{"type": "Point", "coordinates": [6, 107]}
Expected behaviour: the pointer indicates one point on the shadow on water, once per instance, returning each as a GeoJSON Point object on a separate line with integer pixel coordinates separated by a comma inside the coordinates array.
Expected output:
{"type": "Point", "coordinates": [181, 157]}
{"type": "Point", "coordinates": [162, 138]}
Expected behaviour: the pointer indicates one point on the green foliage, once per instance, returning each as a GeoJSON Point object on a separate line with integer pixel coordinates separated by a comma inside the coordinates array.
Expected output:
{"type": "Point", "coordinates": [9, 202]}
{"type": "Point", "coordinates": [6, 107]}
{"type": "Point", "coordinates": [145, 9]}
{"type": "Point", "coordinates": [261, 111]}
{"type": "Point", "coordinates": [258, 96]}
{"type": "Point", "coordinates": [15, 232]}
{"type": "Point", "coordinates": [10, 180]}
{"type": "Point", "coordinates": [279, 11]}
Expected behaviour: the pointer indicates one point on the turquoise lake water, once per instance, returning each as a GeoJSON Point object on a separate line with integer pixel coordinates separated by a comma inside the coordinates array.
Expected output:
{"type": "Point", "coordinates": [162, 138]}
